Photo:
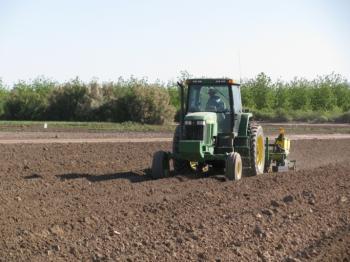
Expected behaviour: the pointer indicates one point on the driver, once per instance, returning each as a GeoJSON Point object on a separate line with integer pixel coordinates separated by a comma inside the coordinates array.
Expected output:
{"type": "Point", "coordinates": [214, 102]}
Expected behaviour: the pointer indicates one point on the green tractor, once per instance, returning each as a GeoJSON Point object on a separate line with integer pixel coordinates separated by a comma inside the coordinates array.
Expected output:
{"type": "Point", "coordinates": [216, 134]}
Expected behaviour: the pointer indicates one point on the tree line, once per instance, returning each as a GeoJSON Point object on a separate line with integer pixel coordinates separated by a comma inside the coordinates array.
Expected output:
{"type": "Point", "coordinates": [326, 98]}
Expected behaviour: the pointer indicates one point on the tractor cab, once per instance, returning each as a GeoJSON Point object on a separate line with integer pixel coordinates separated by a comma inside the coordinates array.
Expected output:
{"type": "Point", "coordinates": [211, 118]}
{"type": "Point", "coordinates": [221, 97]}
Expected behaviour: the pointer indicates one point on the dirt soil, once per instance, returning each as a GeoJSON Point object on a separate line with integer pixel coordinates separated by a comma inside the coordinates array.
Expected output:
{"type": "Point", "coordinates": [54, 135]}
{"type": "Point", "coordinates": [95, 202]}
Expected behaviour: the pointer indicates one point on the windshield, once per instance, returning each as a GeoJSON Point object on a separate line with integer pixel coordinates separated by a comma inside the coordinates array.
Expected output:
{"type": "Point", "coordinates": [208, 99]}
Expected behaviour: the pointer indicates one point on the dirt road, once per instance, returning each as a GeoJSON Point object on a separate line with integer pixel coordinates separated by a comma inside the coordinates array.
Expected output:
{"type": "Point", "coordinates": [95, 202]}
{"type": "Point", "coordinates": [53, 138]}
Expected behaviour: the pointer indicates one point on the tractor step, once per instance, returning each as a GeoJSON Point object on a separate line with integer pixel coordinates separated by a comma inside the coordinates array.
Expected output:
{"type": "Point", "coordinates": [222, 150]}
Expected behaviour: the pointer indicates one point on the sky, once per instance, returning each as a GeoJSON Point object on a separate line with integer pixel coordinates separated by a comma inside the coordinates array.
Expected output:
{"type": "Point", "coordinates": [157, 39]}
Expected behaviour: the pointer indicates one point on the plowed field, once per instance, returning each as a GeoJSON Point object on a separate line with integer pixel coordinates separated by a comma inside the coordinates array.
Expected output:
{"type": "Point", "coordinates": [95, 202]}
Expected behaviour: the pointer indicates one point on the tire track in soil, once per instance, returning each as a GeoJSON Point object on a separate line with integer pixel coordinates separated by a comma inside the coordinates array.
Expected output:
{"type": "Point", "coordinates": [332, 247]}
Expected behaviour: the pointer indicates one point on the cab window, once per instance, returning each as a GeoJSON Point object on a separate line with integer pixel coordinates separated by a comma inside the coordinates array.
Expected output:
{"type": "Point", "coordinates": [208, 99]}
{"type": "Point", "coordinates": [237, 102]}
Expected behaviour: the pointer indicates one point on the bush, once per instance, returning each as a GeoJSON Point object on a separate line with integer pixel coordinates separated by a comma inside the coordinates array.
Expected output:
{"type": "Point", "coordinates": [174, 94]}
{"type": "Point", "coordinates": [343, 118]}
{"type": "Point", "coordinates": [115, 110]}
{"type": "Point", "coordinates": [261, 115]}
{"type": "Point", "coordinates": [149, 105]}
{"type": "Point", "coordinates": [28, 101]}
{"type": "Point", "coordinates": [311, 116]}
{"type": "Point", "coordinates": [137, 101]}
{"type": "Point", "coordinates": [281, 115]}
{"type": "Point", "coordinates": [272, 116]}
{"type": "Point", "coordinates": [3, 97]}
{"type": "Point", "coordinates": [74, 101]}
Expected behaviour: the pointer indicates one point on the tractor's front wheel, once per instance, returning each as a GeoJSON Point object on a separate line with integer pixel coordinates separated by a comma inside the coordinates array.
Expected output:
{"type": "Point", "coordinates": [233, 166]}
{"type": "Point", "coordinates": [160, 165]}
{"type": "Point", "coordinates": [257, 150]}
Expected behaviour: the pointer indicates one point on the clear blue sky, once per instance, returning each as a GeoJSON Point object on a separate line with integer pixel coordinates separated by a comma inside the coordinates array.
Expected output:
{"type": "Point", "coordinates": [62, 39]}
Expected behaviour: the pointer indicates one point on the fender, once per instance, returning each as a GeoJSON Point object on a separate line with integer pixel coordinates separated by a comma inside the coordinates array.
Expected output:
{"type": "Point", "coordinates": [243, 125]}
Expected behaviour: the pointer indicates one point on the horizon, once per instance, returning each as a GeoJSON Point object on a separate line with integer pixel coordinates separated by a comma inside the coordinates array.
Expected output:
{"type": "Point", "coordinates": [159, 81]}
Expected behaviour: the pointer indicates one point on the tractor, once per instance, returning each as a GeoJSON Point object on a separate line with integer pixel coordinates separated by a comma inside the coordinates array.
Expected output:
{"type": "Point", "coordinates": [216, 134]}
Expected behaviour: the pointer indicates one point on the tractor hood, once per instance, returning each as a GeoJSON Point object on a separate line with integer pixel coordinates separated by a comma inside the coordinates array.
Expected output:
{"type": "Point", "coordinates": [199, 132]}
{"type": "Point", "coordinates": [208, 117]}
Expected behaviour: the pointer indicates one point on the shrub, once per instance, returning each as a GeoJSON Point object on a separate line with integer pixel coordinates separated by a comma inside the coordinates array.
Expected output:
{"type": "Point", "coordinates": [149, 105]}
{"type": "Point", "coordinates": [174, 95]}
{"type": "Point", "coordinates": [115, 110]}
{"type": "Point", "coordinates": [343, 118]}
{"type": "Point", "coordinates": [3, 97]}
{"type": "Point", "coordinates": [281, 115]}
{"type": "Point", "coordinates": [74, 101]}
{"type": "Point", "coordinates": [261, 115]}
{"type": "Point", "coordinates": [28, 101]}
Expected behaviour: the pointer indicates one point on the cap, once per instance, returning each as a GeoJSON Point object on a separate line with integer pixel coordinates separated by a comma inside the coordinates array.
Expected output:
{"type": "Point", "coordinates": [211, 91]}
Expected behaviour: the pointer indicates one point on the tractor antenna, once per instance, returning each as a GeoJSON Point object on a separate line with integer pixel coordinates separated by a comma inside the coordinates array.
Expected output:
{"type": "Point", "coordinates": [239, 66]}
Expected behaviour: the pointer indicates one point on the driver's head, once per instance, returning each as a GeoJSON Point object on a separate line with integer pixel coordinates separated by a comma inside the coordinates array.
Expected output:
{"type": "Point", "coordinates": [211, 91]}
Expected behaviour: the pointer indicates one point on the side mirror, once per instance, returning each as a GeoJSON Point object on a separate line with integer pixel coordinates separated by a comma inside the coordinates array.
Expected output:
{"type": "Point", "coordinates": [246, 110]}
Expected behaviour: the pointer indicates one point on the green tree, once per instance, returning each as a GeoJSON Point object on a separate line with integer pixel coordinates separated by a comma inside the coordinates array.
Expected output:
{"type": "Point", "coordinates": [299, 95]}
{"type": "Point", "coordinates": [281, 94]}
{"type": "Point", "coordinates": [247, 96]}
{"type": "Point", "coordinates": [261, 91]}
{"type": "Point", "coordinates": [322, 97]}
{"type": "Point", "coordinates": [28, 101]}
{"type": "Point", "coordinates": [340, 89]}
{"type": "Point", "coordinates": [174, 95]}
{"type": "Point", "coordinates": [3, 97]}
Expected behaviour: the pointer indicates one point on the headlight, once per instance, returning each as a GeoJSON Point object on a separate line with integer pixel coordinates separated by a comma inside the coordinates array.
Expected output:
{"type": "Point", "coordinates": [188, 123]}
{"type": "Point", "coordinates": [201, 123]}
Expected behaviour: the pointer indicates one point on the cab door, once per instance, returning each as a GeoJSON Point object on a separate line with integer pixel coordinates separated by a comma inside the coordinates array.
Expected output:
{"type": "Point", "coordinates": [237, 107]}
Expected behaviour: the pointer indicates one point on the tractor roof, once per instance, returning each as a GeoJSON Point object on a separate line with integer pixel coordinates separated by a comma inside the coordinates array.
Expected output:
{"type": "Point", "coordinates": [212, 81]}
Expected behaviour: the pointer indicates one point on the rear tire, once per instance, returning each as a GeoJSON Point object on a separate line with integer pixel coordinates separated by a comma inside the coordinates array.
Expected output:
{"type": "Point", "coordinates": [160, 165]}
{"type": "Point", "coordinates": [234, 166]}
{"type": "Point", "coordinates": [257, 150]}
{"type": "Point", "coordinates": [180, 166]}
